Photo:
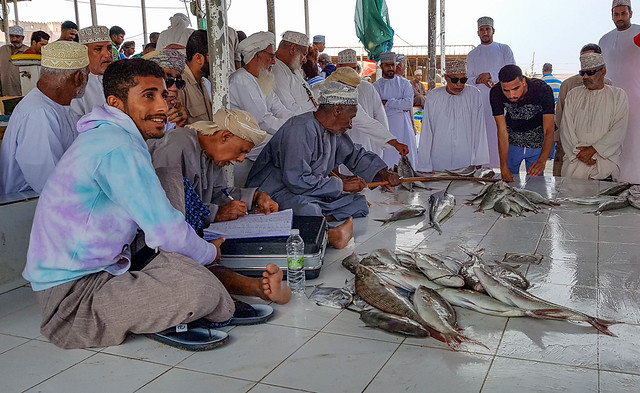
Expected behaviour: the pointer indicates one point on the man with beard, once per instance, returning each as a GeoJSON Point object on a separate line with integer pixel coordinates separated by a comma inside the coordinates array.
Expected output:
{"type": "Point", "coordinates": [594, 124]}
{"type": "Point", "coordinates": [621, 50]}
{"type": "Point", "coordinates": [453, 134]}
{"type": "Point", "coordinates": [290, 86]}
{"type": "Point", "coordinates": [41, 127]}
{"type": "Point", "coordinates": [106, 188]}
{"type": "Point", "coordinates": [9, 73]}
{"type": "Point", "coordinates": [195, 97]}
{"type": "Point", "coordinates": [523, 110]}
{"type": "Point", "coordinates": [173, 64]}
{"type": "Point", "coordinates": [251, 89]}
{"type": "Point", "coordinates": [396, 94]}
{"type": "Point", "coordinates": [294, 168]}
{"type": "Point", "coordinates": [483, 64]}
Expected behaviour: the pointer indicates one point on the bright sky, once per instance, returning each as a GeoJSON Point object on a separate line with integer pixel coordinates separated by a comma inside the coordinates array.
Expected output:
{"type": "Point", "coordinates": [554, 30]}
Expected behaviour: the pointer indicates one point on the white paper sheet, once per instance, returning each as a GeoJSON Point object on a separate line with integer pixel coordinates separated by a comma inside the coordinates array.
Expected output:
{"type": "Point", "coordinates": [252, 225]}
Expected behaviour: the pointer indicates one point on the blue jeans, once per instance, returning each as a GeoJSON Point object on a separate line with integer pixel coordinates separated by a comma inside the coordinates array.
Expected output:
{"type": "Point", "coordinates": [517, 154]}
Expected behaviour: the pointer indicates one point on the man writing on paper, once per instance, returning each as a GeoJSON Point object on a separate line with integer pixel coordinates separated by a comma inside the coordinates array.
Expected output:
{"type": "Point", "coordinates": [201, 151]}
{"type": "Point", "coordinates": [295, 165]}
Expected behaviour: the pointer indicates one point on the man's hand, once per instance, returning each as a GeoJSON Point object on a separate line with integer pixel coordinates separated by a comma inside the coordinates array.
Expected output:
{"type": "Point", "coordinates": [177, 114]}
{"type": "Point", "coordinates": [485, 79]}
{"type": "Point", "coordinates": [231, 211]}
{"type": "Point", "coordinates": [402, 149]}
{"type": "Point", "coordinates": [391, 177]}
{"type": "Point", "coordinates": [586, 154]}
{"type": "Point", "coordinates": [217, 242]}
{"type": "Point", "coordinates": [264, 203]}
{"type": "Point", "coordinates": [353, 184]}
{"type": "Point", "coordinates": [506, 174]}
{"type": "Point", "coordinates": [536, 168]}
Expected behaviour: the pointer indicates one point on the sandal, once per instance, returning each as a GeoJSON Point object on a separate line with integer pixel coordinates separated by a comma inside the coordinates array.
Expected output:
{"type": "Point", "coordinates": [190, 337]}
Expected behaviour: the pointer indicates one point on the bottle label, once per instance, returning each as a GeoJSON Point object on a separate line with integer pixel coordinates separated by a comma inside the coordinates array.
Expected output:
{"type": "Point", "coordinates": [295, 263]}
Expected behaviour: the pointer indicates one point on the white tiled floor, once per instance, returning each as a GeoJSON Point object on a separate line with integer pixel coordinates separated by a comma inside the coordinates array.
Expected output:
{"type": "Point", "coordinates": [590, 263]}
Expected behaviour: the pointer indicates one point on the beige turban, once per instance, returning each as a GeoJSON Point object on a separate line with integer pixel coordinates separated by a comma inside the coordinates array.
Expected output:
{"type": "Point", "coordinates": [295, 38]}
{"type": "Point", "coordinates": [65, 55]}
{"type": "Point", "coordinates": [92, 34]}
{"type": "Point", "coordinates": [240, 123]}
{"type": "Point", "coordinates": [347, 56]}
{"type": "Point", "coordinates": [345, 75]}
{"type": "Point", "coordinates": [589, 61]}
{"type": "Point", "coordinates": [387, 57]}
{"type": "Point", "coordinates": [255, 43]}
{"type": "Point", "coordinates": [456, 66]}
{"type": "Point", "coordinates": [336, 93]}
{"type": "Point", "coordinates": [485, 21]}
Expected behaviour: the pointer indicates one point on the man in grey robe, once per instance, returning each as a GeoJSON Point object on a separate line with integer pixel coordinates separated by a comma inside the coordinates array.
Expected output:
{"type": "Point", "coordinates": [295, 166]}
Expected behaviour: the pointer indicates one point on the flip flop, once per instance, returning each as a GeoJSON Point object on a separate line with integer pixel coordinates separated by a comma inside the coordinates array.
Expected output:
{"type": "Point", "coordinates": [250, 314]}
{"type": "Point", "coordinates": [191, 338]}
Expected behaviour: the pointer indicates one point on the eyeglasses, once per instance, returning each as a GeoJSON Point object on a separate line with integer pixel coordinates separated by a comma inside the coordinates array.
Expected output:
{"type": "Point", "coordinates": [461, 80]}
{"type": "Point", "coordinates": [179, 82]}
{"type": "Point", "coordinates": [590, 72]}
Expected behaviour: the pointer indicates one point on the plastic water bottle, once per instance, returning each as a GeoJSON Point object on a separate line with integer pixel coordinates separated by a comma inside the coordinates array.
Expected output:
{"type": "Point", "coordinates": [295, 262]}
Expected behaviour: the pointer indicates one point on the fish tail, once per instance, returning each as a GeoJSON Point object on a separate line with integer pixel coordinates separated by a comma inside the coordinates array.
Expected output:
{"type": "Point", "coordinates": [424, 228]}
{"type": "Point", "coordinates": [436, 226]}
{"type": "Point", "coordinates": [381, 220]}
{"type": "Point", "coordinates": [453, 340]}
{"type": "Point", "coordinates": [602, 325]}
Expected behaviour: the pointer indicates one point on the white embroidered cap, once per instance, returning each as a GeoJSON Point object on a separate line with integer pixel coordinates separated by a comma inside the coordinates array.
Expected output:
{"type": "Point", "coordinates": [456, 66]}
{"type": "Point", "coordinates": [92, 34]}
{"type": "Point", "coordinates": [295, 38]}
{"type": "Point", "coordinates": [618, 3]}
{"type": "Point", "coordinates": [65, 55]}
{"type": "Point", "coordinates": [485, 21]}
{"type": "Point", "coordinates": [347, 56]}
{"type": "Point", "coordinates": [336, 93]}
{"type": "Point", "coordinates": [16, 30]}
{"type": "Point", "coordinates": [388, 57]}
{"type": "Point", "coordinates": [589, 61]}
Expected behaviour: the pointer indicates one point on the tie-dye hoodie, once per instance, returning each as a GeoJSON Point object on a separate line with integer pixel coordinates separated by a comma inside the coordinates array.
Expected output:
{"type": "Point", "coordinates": [103, 188]}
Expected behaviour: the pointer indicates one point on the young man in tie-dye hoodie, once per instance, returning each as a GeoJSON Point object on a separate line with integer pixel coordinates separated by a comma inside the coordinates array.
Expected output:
{"type": "Point", "coordinates": [103, 189]}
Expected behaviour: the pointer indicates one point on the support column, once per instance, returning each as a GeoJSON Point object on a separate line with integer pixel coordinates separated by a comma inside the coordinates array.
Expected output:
{"type": "Point", "coordinates": [306, 18]}
{"type": "Point", "coordinates": [94, 13]}
{"type": "Point", "coordinates": [442, 46]}
{"type": "Point", "coordinates": [15, 11]}
{"type": "Point", "coordinates": [431, 58]}
{"type": "Point", "coordinates": [5, 21]}
{"type": "Point", "coordinates": [271, 17]}
{"type": "Point", "coordinates": [144, 22]}
{"type": "Point", "coordinates": [75, 7]}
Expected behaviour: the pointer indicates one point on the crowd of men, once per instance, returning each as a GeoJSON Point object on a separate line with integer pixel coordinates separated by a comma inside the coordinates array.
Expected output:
{"type": "Point", "coordinates": [119, 145]}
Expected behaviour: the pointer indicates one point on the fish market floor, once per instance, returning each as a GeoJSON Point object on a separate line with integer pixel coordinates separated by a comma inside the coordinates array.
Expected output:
{"type": "Point", "coordinates": [590, 263]}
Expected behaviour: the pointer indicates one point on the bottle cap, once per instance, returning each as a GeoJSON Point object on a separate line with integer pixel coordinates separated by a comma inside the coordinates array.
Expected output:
{"type": "Point", "coordinates": [295, 231]}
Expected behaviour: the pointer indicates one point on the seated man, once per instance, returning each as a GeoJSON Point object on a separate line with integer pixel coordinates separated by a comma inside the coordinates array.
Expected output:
{"type": "Point", "coordinates": [453, 128]}
{"type": "Point", "coordinates": [295, 165]}
{"type": "Point", "coordinates": [201, 151]}
{"type": "Point", "coordinates": [594, 124]}
{"type": "Point", "coordinates": [105, 187]}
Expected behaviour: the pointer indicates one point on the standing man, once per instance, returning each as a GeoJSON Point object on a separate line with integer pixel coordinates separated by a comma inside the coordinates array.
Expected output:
{"type": "Point", "coordinates": [594, 124]}
{"type": "Point", "coordinates": [68, 31]}
{"type": "Point", "coordinates": [319, 43]}
{"type": "Point", "coordinates": [568, 85]}
{"type": "Point", "coordinates": [396, 94]}
{"type": "Point", "coordinates": [195, 96]}
{"type": "Point", "coordinates": [38, 40]}
{"type": "Point", "coordinates": [98, 43]}
{"type": "Point", "coordinates": [9, 73]}
{"type": "Point", "coordinates": [523, 112]}
{"type": "Point", "coordinates": [117, 38]}
{"type": "Point", "coordinates": [483, 64]}
{"type": "Point", "coordinates": [153, 37]}
{"type": "Point", "coordinates": [621, 50]}
{"type": "Point", "coordinates": [552, 81]}
{"type": "Point", "coordinates": [290, 87]}
{"type": "Point", "coordinates": [419, 92]}
{"type": "Point", "coordinates": [453, 134]}
{"type": "Point", "coordinates": [41, 127]}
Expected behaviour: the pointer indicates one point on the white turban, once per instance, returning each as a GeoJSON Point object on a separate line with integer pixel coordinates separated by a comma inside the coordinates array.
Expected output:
{"type": "Point", "coordinates": [255, 43]}
{"type": "Point", "coordinates": [240, 123]}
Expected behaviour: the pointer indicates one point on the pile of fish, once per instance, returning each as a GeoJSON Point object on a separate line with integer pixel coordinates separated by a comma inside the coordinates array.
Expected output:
{"type": "Point", "coordinates": [506, 200]}
{"type": "Point", "coordinates": [615, 197]}
{"type": "Point", "coordinates": [413, 294]}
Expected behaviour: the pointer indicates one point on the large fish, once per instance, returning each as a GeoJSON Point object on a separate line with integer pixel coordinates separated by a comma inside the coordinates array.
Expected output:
{"type": "Point", "coordinates": [523, 201]}
{"type": "Point", "coordinates": [466, 172]}
{"type": "Point", "coordinates": [485, 173]}
{"type": "Point", "coordinates": [476, 301]}
{"type": "Point", "coordinates": [405, 213]}
{"type": "Point", "coordinates": [383, 296]}
{"type": "Point", "coordinates": [493, 194]}
{"type": "Point", "coordinates": [405, 170]}
{"type": "Point", "coordinates": [436, 271]}
{"type": "Point", "coordinates": [595, 200]}
{"type": "Point", "coordinates": [505, 292]}
{"type": "Point", "coordinates": [634, 197]}
{"type": "Point", "coordinates": [439, 315]}
{"type": "Point", "coordinates": [616, 190]}
{"type": "Point", "coordinates": [393, 323]}
{"type": "Point", "coordinates": [441, 204]}
{"type": "Point", "coordinates": [613, 204]}
{"type": "Point", "coordinates": [404, 278]}
{"type": "Point", "coordinates": [331, 297]}
{"type": "Point", "coordinates": [535, 197]}
{"type": "Point", "coordinates": [498, 269]}
{"type": "Point", "coordinates": [351, 262]}
{"type": "Point", "coordinates": [385, 256]}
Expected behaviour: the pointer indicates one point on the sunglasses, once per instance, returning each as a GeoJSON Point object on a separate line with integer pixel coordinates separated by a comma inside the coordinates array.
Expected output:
{"type": "Point", "coordinates": [461, 80]}
{"type": "Point", "coordinates": [590, 72]}
{"type": "Point", "coordinates": [179, 82]}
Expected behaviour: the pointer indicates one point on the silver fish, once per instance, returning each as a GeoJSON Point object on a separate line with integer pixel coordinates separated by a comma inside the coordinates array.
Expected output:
{"type": "Point", "coordinates": [331, 297]}
{"type": "Point", "coordinates": [482, 303]}
{"type": "Point", "coordinates": [439, 316]}
{"type": "Point", "coordinates": [385, 256]}
{"type": "Point", "coordinates": [492, 195]}
{"type": "Point", "coordinates": [405, 171]}
{"type": "Point", "coordinates": [503, 206]}
{"type": "Point", "coordinates": [393, 323]}
{"type": "Point", "coordinates": [510, 274]}
{"type": "Point", "coordinates": [405, 213]}
{"type": "Point", "coordinates": [535, 197]}
{"type": "Point", "coordinates": [436, 271]}
{"type": "Point", "coordinates": [406, 260]}
{"type": "Point", "coordinates": [351, 262]}
{"type": "Point", "coordinates": [523, 201]}
{"type": "Point", "coordinates": [505, 292]}
{"type": "Point", "coordinates": [596, 200]}
{"type": "Point", "coordinates": [468, 171]}
{"type": "Point", "coordinates": [401, 277]}
{"type": "Point", "coordinates": [441, 204]}
{"type": "Point", "coordinates": [613, 204]}
{"type": "Point", "coordinates": [616, 190]}
{"type": "Point", "coordinates": [634, 197]}
{"type": "Point", "coordinates": [370, 260]}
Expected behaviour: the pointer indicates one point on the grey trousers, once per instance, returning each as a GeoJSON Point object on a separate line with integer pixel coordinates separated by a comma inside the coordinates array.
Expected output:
{"type": "Point", "coordinates": [100, 309]}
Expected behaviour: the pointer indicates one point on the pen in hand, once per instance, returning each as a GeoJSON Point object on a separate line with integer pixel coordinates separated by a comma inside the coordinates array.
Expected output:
{"type": "Point", "coordinates": [226, 193]}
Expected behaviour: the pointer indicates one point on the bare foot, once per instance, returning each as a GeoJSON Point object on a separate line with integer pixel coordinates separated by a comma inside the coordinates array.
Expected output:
{"type": "Point", "coordinates": [272, 286]}
{"type": "Point", "coordinates": [339, 236]}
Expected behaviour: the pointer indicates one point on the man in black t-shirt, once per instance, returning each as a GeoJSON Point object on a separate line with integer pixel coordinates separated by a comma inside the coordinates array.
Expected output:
{"type": "Point", "coordinates": [523, 110]}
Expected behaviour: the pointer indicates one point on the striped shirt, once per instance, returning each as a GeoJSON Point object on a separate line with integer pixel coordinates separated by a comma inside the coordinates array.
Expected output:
{"type": "Point", "coordinates": [554, 83]}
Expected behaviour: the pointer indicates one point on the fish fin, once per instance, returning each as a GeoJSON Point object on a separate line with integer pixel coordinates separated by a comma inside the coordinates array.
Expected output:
{"type": "Point", "coordinates": [381, 220]}
{"type": "Point", "coordinates": [479, 210]}
{"type": "Point", "coordinates": [453, 340]}
{"type": "Point", "coordinates": [424, 228]}
{"type": "Point", "coordinates": [436, 226]}
{"type": "Point", "coordinates": [446, 190]}
{"type": "Point", "coordinates": [602, 325]}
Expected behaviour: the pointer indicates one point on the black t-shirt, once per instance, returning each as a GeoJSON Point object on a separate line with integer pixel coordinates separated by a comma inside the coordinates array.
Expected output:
{"type": "Point", "coordinates": [524, 118]}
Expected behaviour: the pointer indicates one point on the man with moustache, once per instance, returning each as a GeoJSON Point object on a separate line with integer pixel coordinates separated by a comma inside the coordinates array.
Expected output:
{"type": "Point", "coordinates": [251, 89]}
{"type": "Point", "coordinates": [290, 87]}
{"type": "Point", "coordinates": [9, 73]}
{"type": "Point", "coordinates": [195, 97]}
{"type": "Point", "coordinates": [594, 124]}
{"type": "Point", "coordinates": [173, 64]}
{"type": "Point", "coordinates": [621, 50]}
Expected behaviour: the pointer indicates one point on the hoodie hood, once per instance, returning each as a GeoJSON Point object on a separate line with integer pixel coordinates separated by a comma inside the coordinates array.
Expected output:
{"type": "Point", "coordinates": [106, 114]}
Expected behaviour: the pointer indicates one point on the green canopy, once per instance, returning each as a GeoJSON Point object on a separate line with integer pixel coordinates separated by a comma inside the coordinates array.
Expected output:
{"type": "Point", "coordinates": [373, 28]}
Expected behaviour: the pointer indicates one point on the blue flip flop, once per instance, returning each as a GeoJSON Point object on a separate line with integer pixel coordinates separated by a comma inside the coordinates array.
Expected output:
{"type": "Point", "coordinates": [250, 314]}
{"type": "Point", "coordinates": [191, 338]}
